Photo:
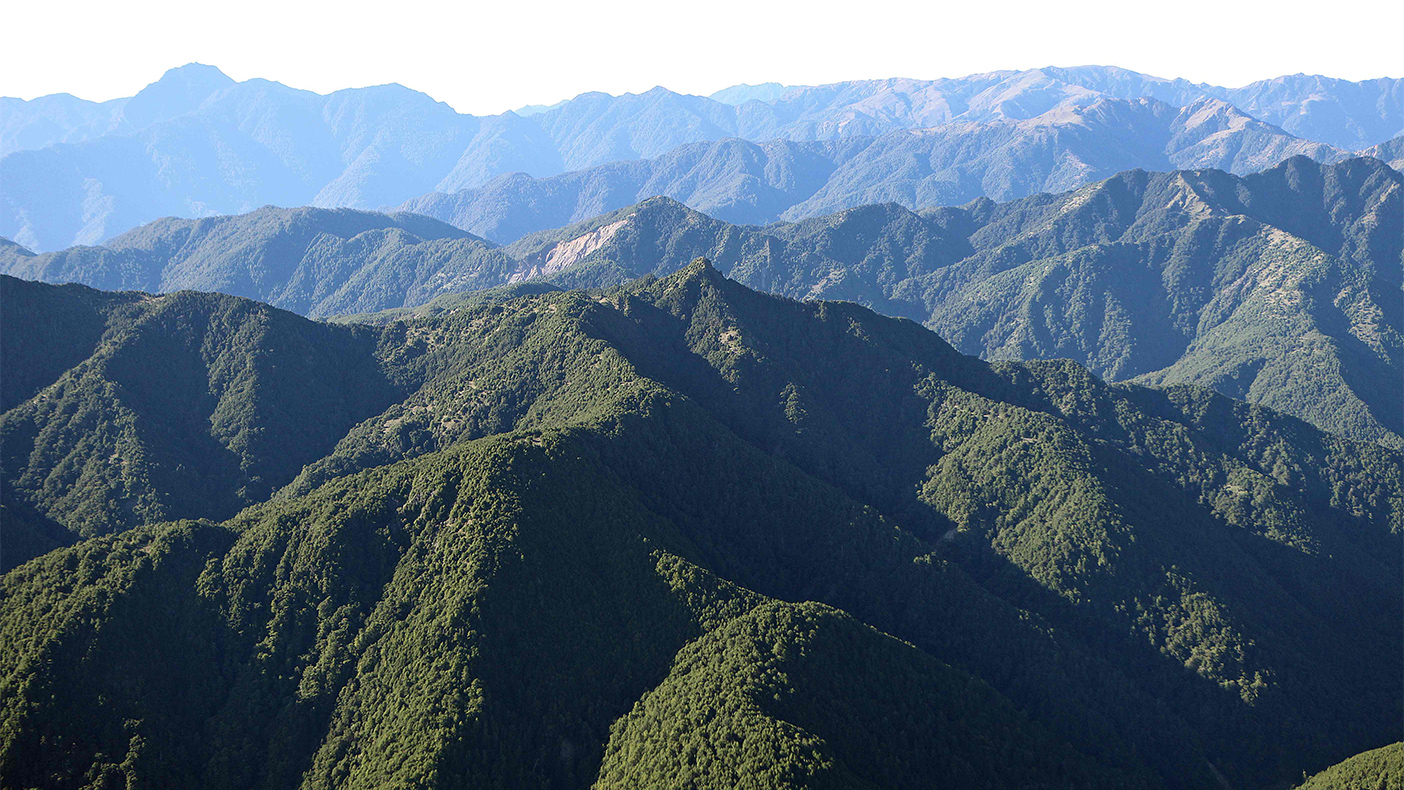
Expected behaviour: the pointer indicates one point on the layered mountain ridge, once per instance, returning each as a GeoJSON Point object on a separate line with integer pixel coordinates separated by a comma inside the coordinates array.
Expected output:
{"type": "Point", "coordinates": [757, 183]}
{"type": "Point", "coordinates": [1280, 287]}
{"type": "Point", "coordinates": [195, 143]}
{"type": "Point", "coordinates": [1032, 429]}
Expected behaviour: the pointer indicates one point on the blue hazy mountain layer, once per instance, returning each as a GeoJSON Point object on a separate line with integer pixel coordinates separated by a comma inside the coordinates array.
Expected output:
{"type": "Point", "coordinates": [196, 143]}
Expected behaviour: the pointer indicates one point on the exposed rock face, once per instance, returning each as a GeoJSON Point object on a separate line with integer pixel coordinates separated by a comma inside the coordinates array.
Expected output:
{"type": "Point", "coordinates": [565, 254]}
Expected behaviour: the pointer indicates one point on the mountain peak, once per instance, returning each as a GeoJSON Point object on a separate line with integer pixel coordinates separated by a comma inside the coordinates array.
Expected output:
{"type": "Point", "coordinates": [663, 203]}
{"type": "Point", "coordinates": [681, 291]}
{"type": "Point", "coordinates": [700, 267]}
{"type": "Point", "coordinates": [179, 91]}
{"type": "Point", "coordinates": [192, 79]}
{"type": "Point", "coordinates": [196, 72]}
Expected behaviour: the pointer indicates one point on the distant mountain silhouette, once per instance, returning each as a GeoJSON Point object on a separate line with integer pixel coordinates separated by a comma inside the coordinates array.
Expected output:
{"type": "Point", "coordinates": [753, 183]}
{"type": "Point", "coordinates": [196, 143]}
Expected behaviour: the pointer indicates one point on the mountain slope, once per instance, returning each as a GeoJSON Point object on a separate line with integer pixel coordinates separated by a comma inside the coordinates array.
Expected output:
{"type": "Point", "coordinates": [1390, 152]}
{"type": "Point", "coordinates": [731, 179]}
{"type": "Point", "coordinates": [1054, 152]}
{"type": "Point", "coordinates": [499, 580]}
{"type": "Point", "coordinates": [188, 405]}
{"type": "Point", "coordinates": [312, 261]}
{"type": "Point", "coordinates": [44, 331]}
{"type": "Point", "coordinates": [1377, 768]}
{"type": "Point", "coordinates": [1349, 115]}
{"type": "Point", "coordinates": [493, 702]}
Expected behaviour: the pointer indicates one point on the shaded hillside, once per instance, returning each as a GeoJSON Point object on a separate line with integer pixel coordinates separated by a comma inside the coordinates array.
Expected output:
{"type": "Point", "coordinates": [950, 164]}
{"type": "Point", "coordinates": [44, 331]}
{"type": "Point", "coordinates": [311, 261]}
{"type": "Point", "coordinates": [498, 580]}
{"type": "Point", "coordinates": [123, 409]}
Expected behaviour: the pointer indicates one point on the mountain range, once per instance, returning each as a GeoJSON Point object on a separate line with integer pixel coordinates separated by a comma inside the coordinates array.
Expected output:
{"type": "Point", "coordinates": [671, 533]}
{"type": "Point", "coordinates": [196, 143]}
{"type": "Point", "coordinates": [1031, 429]}
{"type": "Point", "coordinates": [1280, 288]}
{"type": "Point", "coordinates": [755, 183]}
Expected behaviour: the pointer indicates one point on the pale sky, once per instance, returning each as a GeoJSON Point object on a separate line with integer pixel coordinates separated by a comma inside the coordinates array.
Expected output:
{"type": "Point", "coordinates": [484, 58]}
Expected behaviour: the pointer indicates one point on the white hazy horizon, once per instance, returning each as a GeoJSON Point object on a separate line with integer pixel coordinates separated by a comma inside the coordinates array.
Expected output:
{"type": "Point", "coordinates": [486, 58]}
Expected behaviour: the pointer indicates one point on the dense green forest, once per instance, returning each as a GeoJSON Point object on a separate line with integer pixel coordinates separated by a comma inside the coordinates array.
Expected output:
{"type": "Point", "coordinates": [186, 405]}
{"type": "Point", "coordinates": [672, 533]}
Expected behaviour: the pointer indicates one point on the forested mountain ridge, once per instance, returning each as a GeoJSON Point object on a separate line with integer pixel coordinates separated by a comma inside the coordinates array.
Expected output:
{"type": "Point", "coordinates": [1280, 287]}
{"type": "Point", "coordinates": [497, 580]}
{"type": "Point", "coordinates": [124, 409]}
{"type": "Point", "coordinates": [196, 143]}
{"type": "Point", "coordinates": [308, 260]}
